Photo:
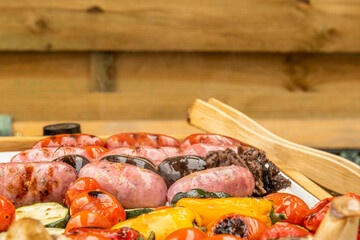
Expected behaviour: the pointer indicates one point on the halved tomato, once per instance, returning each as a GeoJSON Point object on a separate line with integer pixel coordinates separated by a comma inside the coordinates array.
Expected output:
{"type": "Point", "coordinates": [100, 202]}
{"type": "Point", "coordinates": [87, 219]}
{"type": "Point", "coordinates": [79, 186]}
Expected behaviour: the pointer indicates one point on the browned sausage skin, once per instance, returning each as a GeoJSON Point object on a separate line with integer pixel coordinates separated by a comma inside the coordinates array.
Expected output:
{"type": "Point", "coordinates": [132, 186]}
{"type": "Point", "coordinates": [141, 139]}
{"type": "Point", "coordinates": [209, 138]}
{"type": "Point", "coordinates": [47, 154]}
{"type": "Point", "coordinates": [202, 149]}
{"type": "Point", "coordinates": [69, 140]}
{"type": "Point", "coordinates": [234, 180]}
{"type": "Point", "coordinates": [29, 183]}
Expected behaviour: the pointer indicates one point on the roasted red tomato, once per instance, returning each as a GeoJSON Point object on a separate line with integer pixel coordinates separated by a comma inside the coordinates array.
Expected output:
{"type": "Point", "coordinates": [116, 234]}
{"type": "Point", "coordinates": [186, 234]}
{"type": "Point", "coordinates": [141, 139]}
{"type": "Point", "coordinates": [284, 230]}
{"type": "Point", "coordinates": [315, 215]}
{"type": "Point", "coordinates": [95, 152]}
{"type": "Point", "coordinates": [87, 219]}
{"type": "Point", "coordinates": [7, 213]}
{"type": "Point", "coordinates": [100, 202]}
{"type": "Point", "coordinates": [223, 237]}
{"type": "Point", "coordinates": [294, 207]}
{"type": "Point", "coordinates": [69, 140]}
{"type": "Point", "coordinates": [210, 138]}
{"type": "Point", "coordinates": [238, 225]}
{"type": "Point", "coordinates": [79, 186]}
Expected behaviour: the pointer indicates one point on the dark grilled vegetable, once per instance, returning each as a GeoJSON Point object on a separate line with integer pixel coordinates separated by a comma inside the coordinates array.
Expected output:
{"type": "Point", "coordinates": [198, 193]}
{"type": "Point", "coordinates": [74, 160]}
{"type": "Point", "coordinates": [174, 168]}
{"type": "Point", "coordinates": [136, 161]}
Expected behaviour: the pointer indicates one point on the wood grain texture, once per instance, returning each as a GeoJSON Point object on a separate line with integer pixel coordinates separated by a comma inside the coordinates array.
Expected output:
{"type": "Point", "coordinates": [102, 72]}
{"type": "Point", "coordinates": [229, 25]}
{"type": "Point", "coordinates": [109, 106]}
{"type": "Point", "coordinates": [318, 133]}
{"type": "Point", "coordinates": [55, 86]}
{"type": "Point", "coordinates": [323, 170]}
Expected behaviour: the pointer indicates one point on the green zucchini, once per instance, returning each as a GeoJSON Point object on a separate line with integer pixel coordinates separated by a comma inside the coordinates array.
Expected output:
{"type": "Point", "coordinates": [132, 213]}
{"type": "Point", "coordinates": [198, 193]}
{"type": "Point", "coordinates": [50, 214]}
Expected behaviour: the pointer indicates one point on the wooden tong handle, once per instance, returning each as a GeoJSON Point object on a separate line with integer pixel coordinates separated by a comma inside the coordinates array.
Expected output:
{"type": "Point", "coordinates": [321, 169]}
{"type": "Point", "coordinates": [243, 119]}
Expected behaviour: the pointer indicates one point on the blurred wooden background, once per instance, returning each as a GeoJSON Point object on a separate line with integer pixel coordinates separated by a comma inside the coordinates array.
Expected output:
{"type": "Point", "coordinates": [282, 62]}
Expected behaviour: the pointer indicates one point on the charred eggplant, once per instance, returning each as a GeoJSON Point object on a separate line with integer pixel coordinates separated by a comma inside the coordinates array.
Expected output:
{"type": "Point", "coordinates": [174, 168]}
{"type": "Point", "coordinates": [74, 160]}
{"type": "Point", "coordinates": [136, 161]}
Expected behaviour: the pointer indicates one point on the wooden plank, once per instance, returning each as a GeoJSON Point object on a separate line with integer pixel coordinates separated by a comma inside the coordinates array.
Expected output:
{"type": "Point", "coordinates": [102, 72]}
{"type": "Point", "coordinates": [110, 106]}
{"type": "Point", "coordinates": [318, 133]}
{"type": "Point", "coordinates": [229, 25]}
{"type": "Point", "coordinates": [39, 72]}
{"type": "Point", "coordinates": [186, 72]}
{"type": "Point", "coordinates": [54, 86]}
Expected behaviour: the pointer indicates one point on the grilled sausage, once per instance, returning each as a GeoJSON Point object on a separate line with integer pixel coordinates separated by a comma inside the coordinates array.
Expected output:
{"type": "Point", "coordinates": [69, 140]}
{"type": "Point", "coordinates": [234, 180]}
{"type": "Point", "coordinates": [29, 183]}
{"type": "Point", "coordinates": [132, 186]}
{"type": "Point", "coordinates": [47, 154]}
{"type": "Point", "coordinates": [202, 149]}
{"type": "Point", "coordinates": [209, 138]}
{"type": "Point", "coordinates": [154, 154]}
{"type": "Point", "coordinates": [141, 139]}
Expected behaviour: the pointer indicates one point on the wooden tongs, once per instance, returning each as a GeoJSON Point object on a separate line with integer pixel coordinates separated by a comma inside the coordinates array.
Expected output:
{"type": "Point", "coordinates": [328, 170]}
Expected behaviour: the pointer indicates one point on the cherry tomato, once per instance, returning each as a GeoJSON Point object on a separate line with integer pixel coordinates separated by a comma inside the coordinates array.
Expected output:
{"type": "Point", "coordinates": [186, 234]}
{"type": "Point", "coordinates": [316, 214]}
{"type": "Point", "coordinates": [7, 213]}
{"type": "Point", "coordinates": [294, 207]}
{"type": "Point", "coordinates": [223, 237]}
{"type": "Point", "coordinates": [284, 230]}
{"type": "Point", "coordinates": [237, 225]}
{"type": "Point", "coordinates": [87, 219]}
{"type": "Point", "coordinates": [100, 202]}
{"type": "Point", "coordinates": [90, 236]}
{"type": "Point", "coordinates": [79, 186]}
{"type": "Point", "coordinates": [95, 152]}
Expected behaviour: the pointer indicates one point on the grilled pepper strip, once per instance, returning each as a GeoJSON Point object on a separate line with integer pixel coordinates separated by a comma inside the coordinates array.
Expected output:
{"type": "Point", "coordinates": [198, 193]}
{"type": "Point", "coordinates": [162, 222]}
{"type": "Point", "coordinates": [212, 209]}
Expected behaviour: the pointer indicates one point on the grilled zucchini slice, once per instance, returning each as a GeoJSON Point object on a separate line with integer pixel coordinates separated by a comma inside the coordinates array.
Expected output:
{"type": "Point", "coordinates": [50, 214]}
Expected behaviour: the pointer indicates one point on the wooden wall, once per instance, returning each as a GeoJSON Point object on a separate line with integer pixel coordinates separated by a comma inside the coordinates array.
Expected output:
{"type": "Point", "coordinates": [107, 60]}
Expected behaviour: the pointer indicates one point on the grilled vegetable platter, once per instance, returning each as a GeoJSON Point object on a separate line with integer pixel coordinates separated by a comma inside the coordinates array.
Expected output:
{"type": "Point", "coordinates": [151, 186]}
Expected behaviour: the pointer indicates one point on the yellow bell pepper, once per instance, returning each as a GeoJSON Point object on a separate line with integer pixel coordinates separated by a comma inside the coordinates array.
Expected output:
{"type": "Point", "coordinates": [213, 208]}
{"type": "Point", "coordinates": [162, 222]}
